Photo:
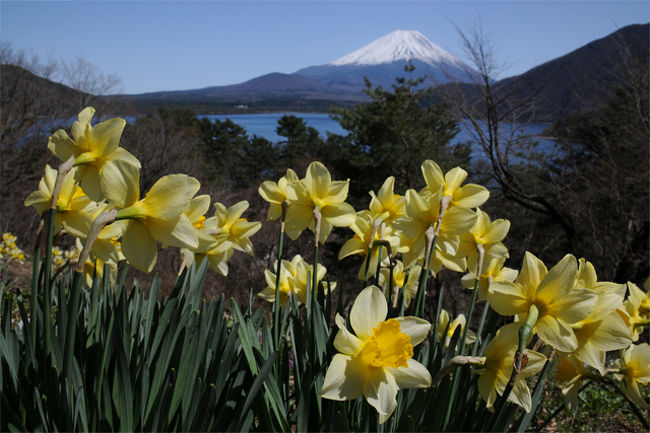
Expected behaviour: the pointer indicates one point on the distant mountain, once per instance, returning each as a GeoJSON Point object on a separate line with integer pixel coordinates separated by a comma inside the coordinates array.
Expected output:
{"type": "Point", "coordinates": [384, 59]}
{"type": "Point", "coordinates": [575, 82]}
{"type": "Point", "coordinates": [580, 80]}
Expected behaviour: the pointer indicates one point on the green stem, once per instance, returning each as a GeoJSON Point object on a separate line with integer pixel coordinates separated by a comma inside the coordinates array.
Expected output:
{"type": "Point", "coordinates": [47, 296]}
{"type": "Point", "coordinates": [424, 272]}
{"type": "Point", "coordinates": [314, 284]}
{"type": "Point", "coordinates": [276, 305]}
{"type": "Point", "coordinates": [378, 264]}
{"type": "Point", "coordinates": [33, 318]}
{"type": "Point", "coordinates": [481, 255]}
{"type": "Point", "coordinates": [486, 308]}
{"type": "Point", "coordinates": [71, 325]}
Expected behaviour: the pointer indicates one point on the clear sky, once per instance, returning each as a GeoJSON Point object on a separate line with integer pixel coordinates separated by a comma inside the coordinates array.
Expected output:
{"type": "Point", "coordinates": [175, 45]}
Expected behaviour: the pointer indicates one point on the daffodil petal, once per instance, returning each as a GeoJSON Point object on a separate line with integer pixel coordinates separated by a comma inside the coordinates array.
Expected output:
{"type": "Point", "coordinates": [556, 333]}
{"type": "Point", "coordinates": [380, 391]}
{"type": "Point", "coordinates": [520, 395]}
{"type": "Point", "coordinates": [178, 232]}
{"type": "Point", "coordinates": [139, 247]}
{"type": "Point", "coordinates": [120, 183]}
{"type": "Point", "coordinates": [368, 310]}
{"type": "Point", "coordinates": [169, 196]}
{"type": "Point", "coordinates": [417, 329]}
{"type": "Point", "coordinates": [415, 375]}
{"type": "Point", "coordinates": [344, 378]}
{"type": "Point", "coordinates": [346, 342]}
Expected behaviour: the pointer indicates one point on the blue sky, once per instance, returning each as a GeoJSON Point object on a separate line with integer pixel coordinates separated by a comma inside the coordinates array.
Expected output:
{"type": "Point", "coordinates": [175, 45]}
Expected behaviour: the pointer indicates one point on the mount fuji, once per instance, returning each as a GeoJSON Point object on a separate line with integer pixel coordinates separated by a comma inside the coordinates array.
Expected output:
{"type": "Point", "coordinates": [385, 58]}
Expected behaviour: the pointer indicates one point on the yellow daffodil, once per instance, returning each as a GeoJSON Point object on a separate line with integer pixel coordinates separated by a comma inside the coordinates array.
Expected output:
{"type": "Point", "coordinates": [230, 230]}
{"type": "Point", "coordinates": [94, 266]}
{"type": "Point", "coordinates": [318, 191]}
{"type": "Point", "coordinates": [107, 246]}
{"type": "Point", "coordinates": [423, 213]}
{"type": "Point", "coordinates": [554, 295]}
{"type": "Point", "coordinates": [9, 250]}
{"type": "Point", "coordinates": [400, 281]}
{"type": "Point", "coordinates": [195, 213]}
{"type": "Point", "coordinates": [103, 166]}
{"type": "Point", "coordinates": [71, 200]}
{"type": "Point", "coordinates": [495, 271]}
{"type": "Point", "coordinates": [386, 205]}
{"type": "Point", "coordinates": [468, 196]}
{"type": "Point", "coordinates": [295, 275]}
{"type": "Point", "coordinates": [365, 235]}
{"type": "Point", "coordinates": [487, 235]}
{"type": "Point", "coordinates": [378, 361]}
{"type": "Point", "coordinates": [158, 217]}
{"type": "Point", "coordinates": [603, 329]}
{"type": "Point", "coordinates": [636, 309]}
{"type": "Point", "coordinates": [571, 373]}
{"type": "Point", "coordinates": [276, 194]}
{"type": "Point", "coordinates": [634, 366]}
{"type": "Point", "coordinates": [459, 321]}
{"type": "Point", "coordinates": [499, 358]}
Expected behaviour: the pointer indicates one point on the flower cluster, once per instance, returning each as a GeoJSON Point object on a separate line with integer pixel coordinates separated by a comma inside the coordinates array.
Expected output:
{"type": "Point", "coordinates": [105, 178]}
{"type": "Point", "coordinates": [401, 237]}
{"type": "Point", "coordinates": [403, 240]}
{"type": "Point", "coordinates": [9, 250]}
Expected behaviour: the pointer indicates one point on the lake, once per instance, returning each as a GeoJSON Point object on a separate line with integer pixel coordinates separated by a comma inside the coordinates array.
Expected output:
{"type": "Point", "coordinates": [264, 125]}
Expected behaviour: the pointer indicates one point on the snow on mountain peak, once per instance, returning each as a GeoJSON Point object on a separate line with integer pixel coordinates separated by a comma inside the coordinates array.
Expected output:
{"type": "Point", "coordinates": [398, 45]}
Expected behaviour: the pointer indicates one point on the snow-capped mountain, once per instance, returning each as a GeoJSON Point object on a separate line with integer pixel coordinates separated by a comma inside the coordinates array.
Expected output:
{"type": "Point", "coordinates": [384, 59]}
{"type": "Point", "coordinates": [395, 46]}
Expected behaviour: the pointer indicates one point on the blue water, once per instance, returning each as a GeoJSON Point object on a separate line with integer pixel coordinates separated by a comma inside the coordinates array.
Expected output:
{"type": "Point", "coordinates": [264, 125]}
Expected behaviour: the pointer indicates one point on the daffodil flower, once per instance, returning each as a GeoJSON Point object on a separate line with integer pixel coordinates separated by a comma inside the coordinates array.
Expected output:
{"type": "Point", "coordinates": [365, 235]}
{"type": "Point", "coordinates": [499, 358]}
{"type": "Point", "coordinates": [468, 196]}
{"type": "Point", "coordinates": [636, 309]}
{"type": "Point", "coordinates": [195, 213]}
{"type": "Point", "coordinates": [459, 321]}
{"type": "Point", "coordinates": [318, 191]}
{"type": "Point", "coordinates": [230, 229]}
{"type": "Point", "coordinates": [386, 205]}
{"type": "Point", "coordinates": [571, 373]}
{"type": "Point", "coordinates": [71, 201]}
{"type": "Point", "coordinates": [102, 164]}
{"type": "Point", "coordinates": [486, 234]}
{"type": "Point", "coordinates": [603, 329]}
{"type": "Point", "coordinates": [400, 281]}
{"type": "Point", "coordinates": [294, 278]}
{"type": "Point", "coordinates": [559, 302]}
{"type": "Point", "coordinates": [634, 367]}
{"type": "Point", "coordinates": [424, 212]}
{"type": "Point", "coordinates": [378, 361]}
{"type": "Point", "coordinates": [276, 194]}
{"type": "Point", "coordinates": [157, 217]}
{"type": "Point", "coordinates": [107, 246]}
{"type": "Point", "coordinates": [494, 272]}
